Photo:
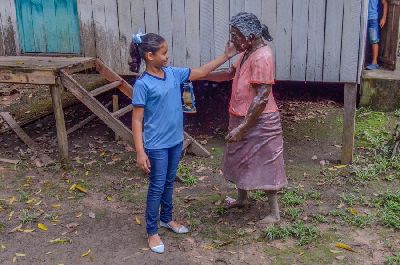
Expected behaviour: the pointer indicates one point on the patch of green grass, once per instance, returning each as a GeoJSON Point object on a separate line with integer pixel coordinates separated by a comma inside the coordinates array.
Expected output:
{"type": "Point", "coordinates": [397, 113]}
{"type": "Point", "coordinates": [258, 195]}
{"type": "Point", "coordinates": [305, 234]}
{"type": "Point", "coordinates": [133, 194]}
{"type": "Point", "coordinates": [219, 210]}
{"type": "Point", "coordinates": [318, 218]}
{"type": "Point", "coordinates": [51, 216]}
{"type": "Point", "coordinates": [312, 195]}
{"type": "Point", "coordinates": [2, 227]}
{"type": "Point", "coordinates": [371, 128]}
{"type": "Point", "coordinates": [358, 220]}
{"type": "Point", "coordinates": [293, 213]}
{"type": "Point", "coordinates": [184, 171]}
{"type": "Point", "coordinates": [388, 205]}
{"type": "Point", "coordinates": [23, 196]}
{"type": "Point", "coordinates": [27, 217]}
{"type": "Point", "coordinates": [349, 199]}
{"type": "Point", "coordinates": [393, 260]}
{"type": "Point", "coordinates": [292, 198]}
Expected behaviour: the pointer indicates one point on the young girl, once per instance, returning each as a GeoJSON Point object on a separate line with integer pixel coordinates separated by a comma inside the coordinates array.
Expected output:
{"type": "Point", "coordinates": [157, 125]}
{"type": "Point", "coordinates": [254, 154]}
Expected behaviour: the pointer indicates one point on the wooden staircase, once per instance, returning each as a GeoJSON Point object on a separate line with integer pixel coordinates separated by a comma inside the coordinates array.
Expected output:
{"type": "Point", "coordinates": [111, 119]}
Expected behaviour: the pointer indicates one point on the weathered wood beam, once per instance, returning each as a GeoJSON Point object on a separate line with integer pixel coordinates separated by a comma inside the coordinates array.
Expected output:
{"type": "Point", "coordinates": [350, 99]}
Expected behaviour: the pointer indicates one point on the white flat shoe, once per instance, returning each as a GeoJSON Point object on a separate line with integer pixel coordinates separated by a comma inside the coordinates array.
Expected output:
{"type": "Point", "coordinates": [159, 249]}
{"type": "Point", "coordinates": [181, 230]}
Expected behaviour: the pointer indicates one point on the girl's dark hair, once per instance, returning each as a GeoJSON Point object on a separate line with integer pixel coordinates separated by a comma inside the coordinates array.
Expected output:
{"type": "Point", "coordinates": [265, 33]}
{"type": "Point", "coordinates": [150, 42]}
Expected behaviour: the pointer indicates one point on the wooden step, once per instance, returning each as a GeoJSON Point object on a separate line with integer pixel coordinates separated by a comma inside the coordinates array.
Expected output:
{"type": "Point", "coordinates": [105, 88]}
{"type": "Point", "coordinates": [96, 107]}
{"type": "Point", "coordinates": [122, 111]}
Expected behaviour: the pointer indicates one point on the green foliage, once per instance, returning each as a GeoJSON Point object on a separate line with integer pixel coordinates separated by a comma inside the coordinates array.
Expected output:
{"type": "Point", "coordinates": [184, 171]}
{"type": "Point", "coordinates": [388, 205]}
{"type": "Point", "coordinates": [27, 217]}
{"type": "Point", "coordinates": [358, 220]}
{"type": "Point", "coordinates": [393, 260]}
{"type": "Point", "coordinates": [258, 195]}
{"type": "Point", "coordinates": [304, 233]}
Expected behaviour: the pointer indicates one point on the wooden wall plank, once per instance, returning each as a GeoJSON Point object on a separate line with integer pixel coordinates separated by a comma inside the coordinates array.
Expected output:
{"type": "Point", "coordinates": [179, 32]}
{"type": "Point", "coordinates": [268, 14]}
{"type": "Point", "coordinates": [221, 27]}
{"type": "Point", "coordinates": [350, 41]}
{"type": "Point", "coordinates": [151, 16]}
{"type": "Point", "coordinates": [165, 24]}
{"type": "Point", "coordinates": [253, 6]}
{"type": "Point", "coordinates": [206, 30]}
{"type": "Point", "coordinates": [363, 38]}
{"type": "Point", "coordinates": [316, 39]}
{"type": "Point", "coordinates": [112, 34]}
{"type": "Point", "coordinates": [99, 19]}
{"type": "Point", "coordinates": [299, 40]}
{"type": "Point", "coordinates": [333, 40]}
{"type": "Point", "coordinates": [125, 33]}
{"type": "Point", "coordinates": [88, 39]}
{"type": "Point", "coordinates": [137, 16]}
{"type": "Point", "coordinates": [8, 21]}
{"type": "Point", "coordinates": [235, 7]}
{"type": "Point", "coordinates": [2, 51]}
{"type": "Point", "coordinates": [283, 39]}
{"type": "Point", "coordinates": [192, 15]}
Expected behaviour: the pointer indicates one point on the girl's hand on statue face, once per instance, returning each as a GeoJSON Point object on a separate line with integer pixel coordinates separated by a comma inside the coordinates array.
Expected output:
{"type": "Point", "coordinates": [143, 162]}
{"type": "Point", "coordinates": [234, 136]}
{"type": "Point", "coordinates": [230, 50]}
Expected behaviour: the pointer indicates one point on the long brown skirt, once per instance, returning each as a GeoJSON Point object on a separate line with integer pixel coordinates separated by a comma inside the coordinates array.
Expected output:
{"type": "Point", "coordinates": [256, 162]}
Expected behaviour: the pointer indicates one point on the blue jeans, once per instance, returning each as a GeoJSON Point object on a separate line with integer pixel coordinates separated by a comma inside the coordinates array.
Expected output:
{"type": "Point", "coordinates": [374, 31]}
{"type": "Point", "coordinates": [164, 163]}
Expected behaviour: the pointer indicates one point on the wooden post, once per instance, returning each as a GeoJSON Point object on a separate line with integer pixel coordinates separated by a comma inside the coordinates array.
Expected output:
{"type": "Point", "coordinates": [350, 100]}
{"type": "Point", "coordinates": [56, 92]}
{"type": "Point", "coordinates": [115, 109]}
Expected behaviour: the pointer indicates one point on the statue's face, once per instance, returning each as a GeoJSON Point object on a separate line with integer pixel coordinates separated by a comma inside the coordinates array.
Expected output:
{"type": "Point", "coordinates": [239, 40]}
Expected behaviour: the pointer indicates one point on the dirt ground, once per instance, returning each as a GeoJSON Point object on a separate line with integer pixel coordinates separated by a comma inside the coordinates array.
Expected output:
{"type": "Point", "coordinates": [108, 219]}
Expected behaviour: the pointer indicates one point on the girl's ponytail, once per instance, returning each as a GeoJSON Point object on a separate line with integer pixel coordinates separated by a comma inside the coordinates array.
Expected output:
{"type": "Point", "coordinates": [265, 33]}
{"type": "Point", "coordinates": [140, 45]}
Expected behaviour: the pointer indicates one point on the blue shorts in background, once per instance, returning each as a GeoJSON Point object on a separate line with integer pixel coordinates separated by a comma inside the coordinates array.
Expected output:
{"type": "Point", "coordinates": [374, 31]}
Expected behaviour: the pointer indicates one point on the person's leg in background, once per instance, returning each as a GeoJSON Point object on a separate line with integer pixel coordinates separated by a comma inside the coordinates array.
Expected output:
{"type": "Point", "coordinates": [374, 39]}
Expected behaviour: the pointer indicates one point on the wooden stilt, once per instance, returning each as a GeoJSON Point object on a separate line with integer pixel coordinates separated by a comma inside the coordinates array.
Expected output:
{"type": "Point", "coordinates": [350, 100]}
{"type": "Point", "coordinates": [115, 109]}
{"type": "Point", "coordinates": [56, 92]}
{"type": "Point", "coordinates": [195, 147]}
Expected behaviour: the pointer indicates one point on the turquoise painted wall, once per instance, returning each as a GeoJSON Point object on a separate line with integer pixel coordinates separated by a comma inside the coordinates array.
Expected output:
{"type": "Point", "coordinates": [48, 26]}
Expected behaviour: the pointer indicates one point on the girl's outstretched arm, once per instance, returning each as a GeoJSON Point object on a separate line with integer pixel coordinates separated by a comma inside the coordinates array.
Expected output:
{"type": "Point", "coordinates": [221, 75]}
{"type": "Point", "coordinates": [142, 160]}
{"type": "Point", "coordinates": [202, 71]}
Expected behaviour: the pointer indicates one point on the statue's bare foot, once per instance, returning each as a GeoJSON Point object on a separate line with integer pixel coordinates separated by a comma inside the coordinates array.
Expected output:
{"type": "Point", "coordinates": [269, 220]}
{"type": "Point", "coordinates": [232, 203]}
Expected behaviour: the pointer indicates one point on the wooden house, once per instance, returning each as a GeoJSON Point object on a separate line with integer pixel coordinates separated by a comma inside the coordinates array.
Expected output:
{"type": "Point", "coordinates": [316, 40]}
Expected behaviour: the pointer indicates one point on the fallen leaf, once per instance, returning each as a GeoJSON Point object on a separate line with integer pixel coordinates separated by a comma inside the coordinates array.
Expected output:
{"type": "Point", "coordinates": [2, 246]}
{"type": "Point", "coordinates": [340, 206]}
{"type": "Point", "coordinates": [86, 173]}
{"type": "Point", "coordinates": [14, 259]}
{"type": "Point", "coordinates": [42, 227]}
{"type": "Point", "coordinates": [48, 253]}
{"type": "Point", "coordinates": [137, 220]}
{"type": "Point", "coordinates": [10, 215]}
{"type": "Point", "coordinates": [78, 215]}
{"type": "Point", "coordinates": [102, 153]}
{"type": "Point", "coordinates": [352, 211]}
{"type": "Point", "coordinates": [15, 229]}
{"type": "Point", "coordinates": [344, 246]}
{"type": "Point", "coordinates": [60, 241]}
{"type": "Point", "coordinates": [72, 187]}
{"type": "Point", "coordinates": [38, 203]}
{"type": "Point", "coordinates": [340, 166]}
{"type": "Point", "coordinates": [92, 215]}
{"type": "Point", "coordinates": [80, 188]}
{"type": "Point", "coordinates": [12, 200]}
{"type": "Point", "coordinates": [86, 253]}
{"type": "Point", "coordinates": [314, 157]}
{"type": "Point", "coordinates": [27, 230]}
{"type": "Point", "coordinates": [20, 254]}
{"type": "Point", "coordinates": [55, 206]}
{"type": "Point", "coordinates": [335, 251]}
{"type": "Point", "coordinates": [109, 198]}
{"type": "Point", "coordinates": [145, 249]}
{"type": "Point", "coordinates": [340, 257]}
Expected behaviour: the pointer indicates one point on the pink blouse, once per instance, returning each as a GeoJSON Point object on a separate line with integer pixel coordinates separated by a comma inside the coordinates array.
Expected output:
{"type": "Point", "coordinates": [259, 68]}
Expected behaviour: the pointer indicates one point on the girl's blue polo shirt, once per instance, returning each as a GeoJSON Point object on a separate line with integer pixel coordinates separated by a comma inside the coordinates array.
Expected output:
{"type": "Point", "coordinates": [161, 100]}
